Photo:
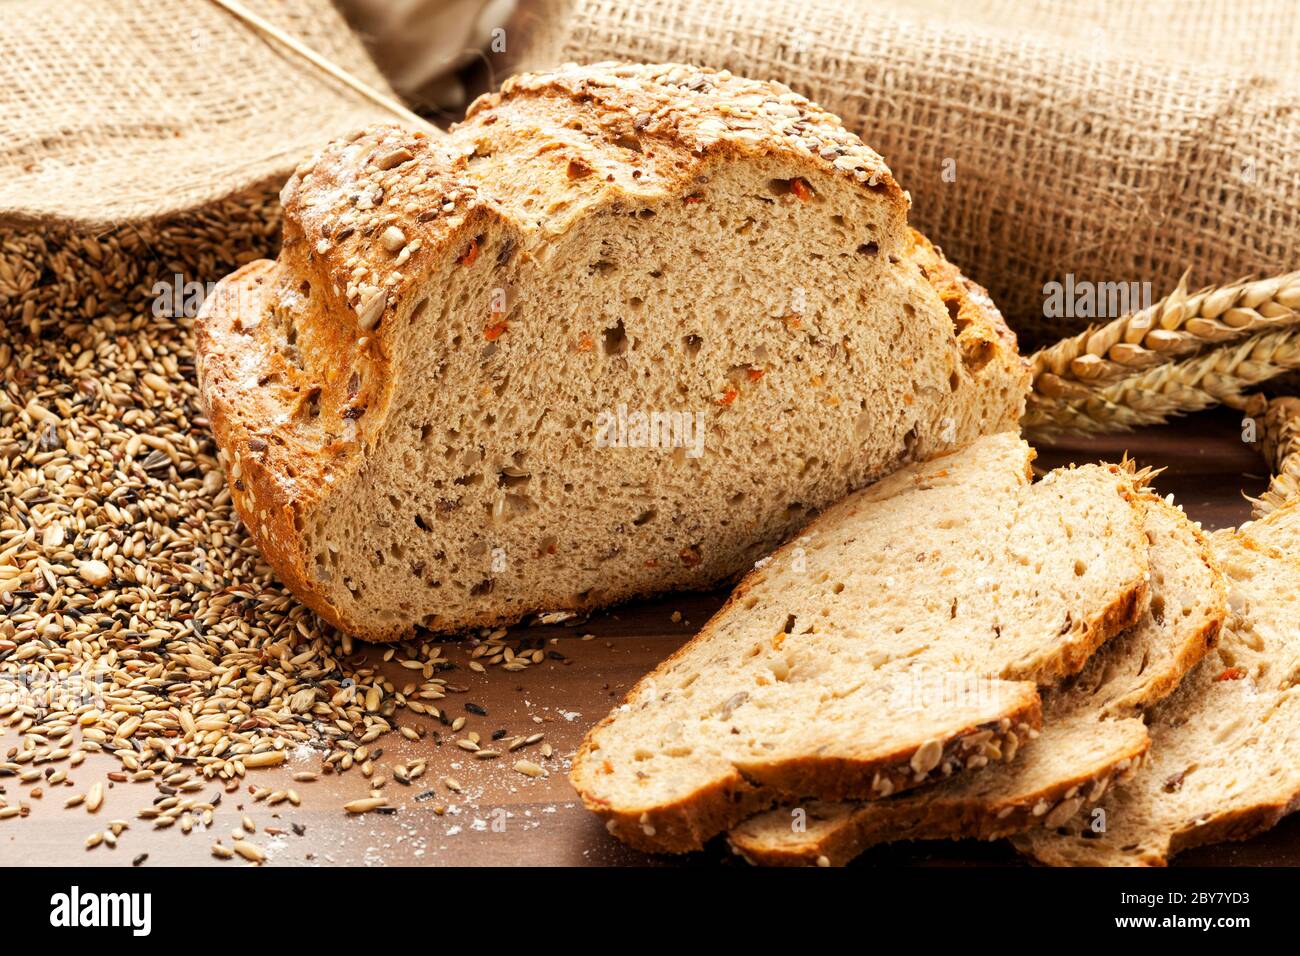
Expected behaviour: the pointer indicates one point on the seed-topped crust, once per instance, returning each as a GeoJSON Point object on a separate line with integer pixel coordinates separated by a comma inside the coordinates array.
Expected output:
{"type": "Point", "coordinates": [836, 833]}
{"type": "Point", "coordinates": [703, 110]}
{"type": "Point", "coordinates": [687, 824]}
{"type": "Point", "coordinates": [293, 403]}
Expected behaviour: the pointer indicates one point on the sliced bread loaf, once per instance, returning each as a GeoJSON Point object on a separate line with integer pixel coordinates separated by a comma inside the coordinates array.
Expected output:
{"type": "Point", "coordinates": [1089, 739]}
{"type": "Point", "coordinates": [897, 642]}
{"type": "Point", "coordinates": [622, 331]}
{"type": "Point", "coordinates": [1224, 761]}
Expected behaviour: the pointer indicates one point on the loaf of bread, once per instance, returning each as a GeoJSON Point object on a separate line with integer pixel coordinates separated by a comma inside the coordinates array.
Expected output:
{"type": "Point", "coordinates": [622, 331]}
{"type": "Point", "coordinates": [1090, 739]}
{"type": "Point", "coordinates": [899, 641]}
{"type": "Point", "coordinates": [1224, 755]}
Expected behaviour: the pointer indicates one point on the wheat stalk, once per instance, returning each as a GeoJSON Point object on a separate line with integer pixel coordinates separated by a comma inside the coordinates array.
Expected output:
{"type": "Point", "coordinates": [1223, 375]}
{"type": "Point", "coordinates": [1278, 421]}
{"type": "Point", "coordinates": [262, 25]}
{"type": "Point", "coordinates": [1178, 325]}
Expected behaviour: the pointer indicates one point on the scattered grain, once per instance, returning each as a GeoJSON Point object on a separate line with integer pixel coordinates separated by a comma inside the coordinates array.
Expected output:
{"type": "Point", "coordinates": [250, 851]}
{"type": "Point", "coordinates": [365, 805]}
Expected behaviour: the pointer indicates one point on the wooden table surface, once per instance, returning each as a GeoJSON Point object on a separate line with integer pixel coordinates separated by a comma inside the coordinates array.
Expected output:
{"type": "Point", "coordinates": [505, 818]}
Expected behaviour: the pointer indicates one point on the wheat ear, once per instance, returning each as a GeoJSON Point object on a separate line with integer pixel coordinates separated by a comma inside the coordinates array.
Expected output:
{"type": "Point", "coordinates": [1221, 376]}
{"type": "Point", "coordinates": [259, 23]}
{"type": "Point", "coordinates": [1178, 325]}
{"type": "Point", "coordinates": [1278, 423]}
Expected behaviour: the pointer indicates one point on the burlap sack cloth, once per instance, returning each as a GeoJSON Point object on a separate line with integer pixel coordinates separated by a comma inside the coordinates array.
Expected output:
{"type": "Point", "coordinates": [1118, 140]}
{"type": "Point", "coordinates": [138, 140]}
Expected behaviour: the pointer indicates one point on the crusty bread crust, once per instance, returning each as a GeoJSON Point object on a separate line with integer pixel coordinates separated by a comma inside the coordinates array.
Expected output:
{"type": "Point", "coordinates": [254, 389]}
{"type": "Point", "coordinates": [1119, 615]}
{"type": "Point", "coordinates": [1231, 825]}
{"type": "Point", "coordinates": [1236, 824]}
{"type": "Point", "coordinates": [687, 824]}
{"type": "Point", "coordinates": [271, 472]}
{"type": "Point", "coordinates": [1201, 640]}
{"type": "Point", "coordinates": [837, 845]}
{"type": "Point", "coordinates": [349, 292]}
{"type": "Point", "coordinates": [982, 332]}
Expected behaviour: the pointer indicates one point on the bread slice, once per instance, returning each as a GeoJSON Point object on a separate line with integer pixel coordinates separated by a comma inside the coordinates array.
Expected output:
{"type": "Point", "coordinates": [1224, 763]}
{"type": "Point", "coordinates": [1089, 740]}
{"type": "Point", "coordinates": [622, 331]}
{"type": "Point", "coordinates": [897, 642]}
{"type": "Point", "coordinates": [1067, 767]}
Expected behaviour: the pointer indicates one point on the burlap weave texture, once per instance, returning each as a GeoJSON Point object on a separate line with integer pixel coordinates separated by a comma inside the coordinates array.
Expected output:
{"type": "Point", "coordinates": [120, 110]}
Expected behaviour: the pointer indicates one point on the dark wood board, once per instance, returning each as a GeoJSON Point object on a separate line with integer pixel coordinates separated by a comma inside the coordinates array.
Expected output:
{"type": "Point", "coordinates": [1208, 469]}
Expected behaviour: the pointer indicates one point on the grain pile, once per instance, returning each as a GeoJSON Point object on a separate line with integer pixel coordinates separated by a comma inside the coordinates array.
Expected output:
{"type": "Point", "coordinates": [136, 618]}
{"type": "Point", "coordinates": [53, 277]}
